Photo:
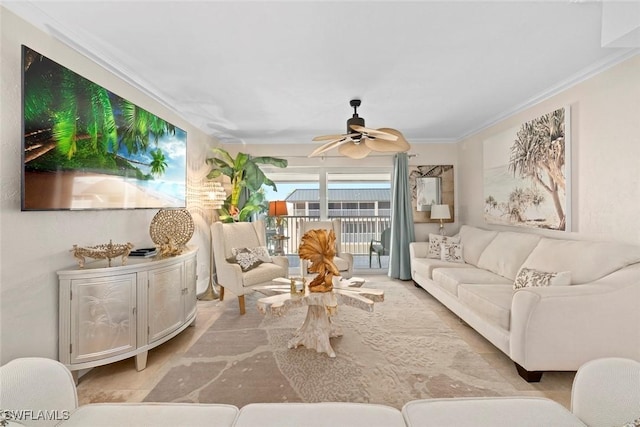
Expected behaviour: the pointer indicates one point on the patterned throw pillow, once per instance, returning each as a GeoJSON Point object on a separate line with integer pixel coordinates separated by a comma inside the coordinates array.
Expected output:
{"type": "Point", "coordinates": [435, 240]}
{"type": "Point", "coordinates": [246, 259]}
{"type": "Point", "coordinates": [261, 252]}
{"type": "Point", "coordinates": [529, 277]}
{"type": "Point", "coordinates": [634, 423]}
{"type": "Point", "coordinates": [451, 252]}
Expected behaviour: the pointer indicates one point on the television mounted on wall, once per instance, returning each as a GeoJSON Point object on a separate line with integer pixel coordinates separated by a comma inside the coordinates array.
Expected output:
{"type": "Point", "coordinates": [86, 148]}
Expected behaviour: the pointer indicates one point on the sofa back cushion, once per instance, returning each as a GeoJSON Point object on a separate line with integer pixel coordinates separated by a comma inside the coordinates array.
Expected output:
{"type": "Point", "coordinates": [505, 254]}
{"type": "Point", "coordinates": [475, 240]}
{"type": "Point", "coordinates": [586, 260]}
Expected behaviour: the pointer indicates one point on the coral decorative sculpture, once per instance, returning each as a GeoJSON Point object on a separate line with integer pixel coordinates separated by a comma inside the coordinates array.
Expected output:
{"type": "Point", "coordinates": [108, 250]}
{"type": "Point", "coordinates": [319, 247]}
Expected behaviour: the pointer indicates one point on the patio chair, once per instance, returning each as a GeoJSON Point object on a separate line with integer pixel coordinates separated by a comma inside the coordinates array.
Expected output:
{"type": "Point", "coordinates": [380, 247]}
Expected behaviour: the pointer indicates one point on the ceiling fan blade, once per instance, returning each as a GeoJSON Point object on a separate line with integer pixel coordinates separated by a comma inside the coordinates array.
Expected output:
{"type": "Point", "coordinates": [329, 146]}
{"type": "Point", "coordinates": [375, 133]}
{"type": "Point", "coordinates": [377, 144]}
{"type": "Point", "coordinates": [327, 137]}
{"type": "Point", "coordinates": [354, 151]}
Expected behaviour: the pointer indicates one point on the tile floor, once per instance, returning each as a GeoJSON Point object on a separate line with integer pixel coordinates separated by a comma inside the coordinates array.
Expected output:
{"type": "Point", "coordinates": [120, 382]}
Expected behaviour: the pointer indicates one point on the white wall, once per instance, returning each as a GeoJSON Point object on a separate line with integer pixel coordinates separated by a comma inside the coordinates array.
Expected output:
{"type": "Point", "coordinates": [34, 245]}
{"type": "Point", "coordinates": [605, 157]}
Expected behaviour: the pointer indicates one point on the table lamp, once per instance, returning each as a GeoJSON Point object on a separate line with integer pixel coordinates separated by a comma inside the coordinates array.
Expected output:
{"type": "Point", "coordinates": [278, 209]}
{"type": "Point", "coordinates": [440, 212]}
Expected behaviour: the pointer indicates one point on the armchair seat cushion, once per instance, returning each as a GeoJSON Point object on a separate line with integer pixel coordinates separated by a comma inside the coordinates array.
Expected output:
{"type": "Point", "coordinates": [265, 272]}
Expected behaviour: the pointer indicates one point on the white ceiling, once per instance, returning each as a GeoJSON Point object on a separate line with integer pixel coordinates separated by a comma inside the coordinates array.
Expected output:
{"type": "Point", "coordinates": [284, 72]}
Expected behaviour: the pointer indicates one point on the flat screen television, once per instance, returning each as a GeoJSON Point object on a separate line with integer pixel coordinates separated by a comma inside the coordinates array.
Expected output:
{"type": "Point", "coordinates": [85, 147]}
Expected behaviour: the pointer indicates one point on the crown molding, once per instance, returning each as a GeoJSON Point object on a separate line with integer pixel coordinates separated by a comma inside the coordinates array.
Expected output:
{"type": "Point", "coordinates": [579, 77]}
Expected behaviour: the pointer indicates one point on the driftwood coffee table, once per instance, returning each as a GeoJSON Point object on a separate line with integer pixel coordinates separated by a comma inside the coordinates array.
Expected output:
{"type": "Point", "coordinates": [317, 327]}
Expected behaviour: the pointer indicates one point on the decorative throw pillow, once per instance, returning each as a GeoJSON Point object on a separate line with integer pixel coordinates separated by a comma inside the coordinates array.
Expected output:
{"type": "Point", "coordinates": [261, 252]}
{"type": "Point", "coordinates": [246, 259]}
{"type": "Point", "coordinates": [529, 277]}
{"type": "Point", "coordinates": [451, 252]}
{"type": "Point", "coordinates": [435, 240]}
{"type": "Point", "coordinates": [634, 423]}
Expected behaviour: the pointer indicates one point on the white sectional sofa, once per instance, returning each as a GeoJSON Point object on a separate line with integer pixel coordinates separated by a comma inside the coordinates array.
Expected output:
{"type": "Point", "coordinates": [605, 393]}
{"type": "Point", "coordinates": [594, 314]}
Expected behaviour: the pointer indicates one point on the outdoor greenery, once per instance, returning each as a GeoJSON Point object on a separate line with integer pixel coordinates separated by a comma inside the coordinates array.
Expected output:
{"type": "Point", "coordinates": [246, 177]}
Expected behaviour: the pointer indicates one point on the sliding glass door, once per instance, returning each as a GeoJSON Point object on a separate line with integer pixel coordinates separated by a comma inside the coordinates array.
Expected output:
{"type": "Point", "coordinates": [360, 198]}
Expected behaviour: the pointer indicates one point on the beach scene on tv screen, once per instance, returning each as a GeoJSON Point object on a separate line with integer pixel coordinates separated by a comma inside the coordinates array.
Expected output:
{"type": "Point", "coordinates": [87, 148]}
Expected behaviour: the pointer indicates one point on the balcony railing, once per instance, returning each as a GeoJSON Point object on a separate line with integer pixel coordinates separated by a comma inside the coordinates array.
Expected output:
{"type": "Point", "coordinates": [356, 233]}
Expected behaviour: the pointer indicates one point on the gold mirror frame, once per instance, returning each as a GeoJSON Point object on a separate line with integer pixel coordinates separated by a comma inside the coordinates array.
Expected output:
{"type": "Point", "coordinates": [445, 173]}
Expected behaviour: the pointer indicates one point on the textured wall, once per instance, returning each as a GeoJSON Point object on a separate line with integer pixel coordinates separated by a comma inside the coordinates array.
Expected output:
{"type": "Point", "coordinates": [605, 150]}
{"type": "Point", "coordinates": [34, 245]}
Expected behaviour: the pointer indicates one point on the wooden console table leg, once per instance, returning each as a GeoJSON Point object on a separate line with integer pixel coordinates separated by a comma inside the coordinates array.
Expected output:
{"type": "Point", "coordinates": [316, 331]}
{"type": "Point", "coordinates": [141, 360]}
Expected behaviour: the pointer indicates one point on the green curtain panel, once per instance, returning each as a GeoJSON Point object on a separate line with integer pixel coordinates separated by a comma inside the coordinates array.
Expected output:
{"type": "Point", "coordinates": [402, 232]}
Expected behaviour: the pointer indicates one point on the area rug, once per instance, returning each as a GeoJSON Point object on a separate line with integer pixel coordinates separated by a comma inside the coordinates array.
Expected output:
{"type": "Point", "coordinates": [400, 352]}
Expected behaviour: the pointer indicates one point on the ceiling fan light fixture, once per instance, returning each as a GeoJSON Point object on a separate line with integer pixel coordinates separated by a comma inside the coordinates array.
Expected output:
{"type": "Point", "coordinates": [354, 151]}
{"type": "Point", "coordinates": [359, 140]}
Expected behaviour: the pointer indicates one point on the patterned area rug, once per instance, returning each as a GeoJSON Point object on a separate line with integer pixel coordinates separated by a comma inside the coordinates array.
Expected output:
{"type": "Point", "coordinates": [400, 352]}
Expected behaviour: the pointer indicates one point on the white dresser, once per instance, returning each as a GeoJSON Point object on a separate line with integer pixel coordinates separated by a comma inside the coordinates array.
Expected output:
{"type": "Point", "coordinates": [112, 313]}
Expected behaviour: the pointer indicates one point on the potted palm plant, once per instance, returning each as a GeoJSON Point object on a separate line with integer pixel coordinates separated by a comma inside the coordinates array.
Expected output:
{"type": "Point", "coordinates": [244, 173]}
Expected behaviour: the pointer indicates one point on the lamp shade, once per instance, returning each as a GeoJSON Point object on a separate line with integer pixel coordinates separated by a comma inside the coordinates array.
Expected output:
{"type": "Point", "coordinates": [278, 208]}
{"type": "Point", "coordinates": [213, 195]}
{"type": "Point", "coordinates": [440, 212]}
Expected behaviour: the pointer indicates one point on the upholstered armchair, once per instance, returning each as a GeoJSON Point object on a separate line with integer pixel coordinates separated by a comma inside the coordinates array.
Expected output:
{"type": "Point", "coordinates": [342, 260]}
{"type": "Point", "coordinates": [240, 273]}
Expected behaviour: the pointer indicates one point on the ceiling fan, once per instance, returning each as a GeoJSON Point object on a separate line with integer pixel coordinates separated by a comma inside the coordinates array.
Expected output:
{"type": "Point", "coordinates": [359, 141]}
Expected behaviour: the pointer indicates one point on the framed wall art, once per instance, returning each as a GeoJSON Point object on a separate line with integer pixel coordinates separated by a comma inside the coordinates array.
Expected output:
{"type": "Point", "coordinates": [527, 174]}
{"type": "Point", "coordinates": [87, 148]}
{"type": "Point", "coordinates": [431, 184]}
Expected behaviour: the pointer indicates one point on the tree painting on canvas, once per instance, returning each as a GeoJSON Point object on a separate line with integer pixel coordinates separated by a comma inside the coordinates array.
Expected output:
{"type": "Point", "coordinates": [526, 174]}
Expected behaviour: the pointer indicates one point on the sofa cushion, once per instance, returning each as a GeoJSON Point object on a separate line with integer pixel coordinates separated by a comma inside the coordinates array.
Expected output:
{"type": "Point", "coordinates": [435, 242]}
{"type": "Point", "coordinates": [530, 277]}
{"type": "Point", "coordinates": [424, 266]}
{"type": "Point", "coordinates": [493, 302]}
{"type": "Point", "coordinates": [586, 260]}
{"type": "Point", "coordinates": [475, 240]}
{"type": "Point", "coordinates": [153, 414]}
{"type": "Point", "coordinates": [450, 278]}
{"type": "Point", "coordinates": [488, 411]}
{"type": "Point", "coordinates": [451, 252]}
{"type": "Point", "coordinates": [319, 414]}
{"type": "Point", "coordinates": [505, 254]}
